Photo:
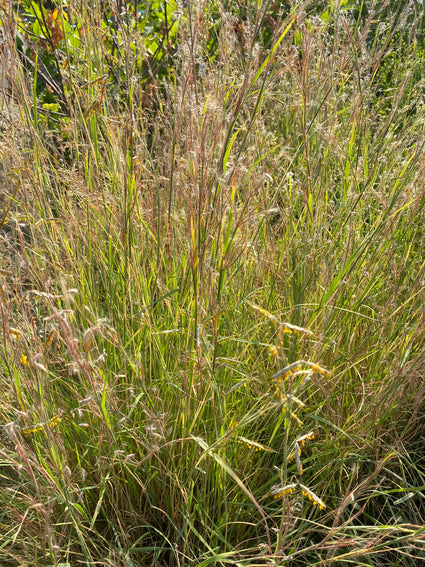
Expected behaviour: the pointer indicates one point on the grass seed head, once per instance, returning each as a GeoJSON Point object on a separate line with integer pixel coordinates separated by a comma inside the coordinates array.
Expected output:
{"type": "Point", "coordinates": [279, 491]}
{"type": "Point", "coordinates": [312, 497]}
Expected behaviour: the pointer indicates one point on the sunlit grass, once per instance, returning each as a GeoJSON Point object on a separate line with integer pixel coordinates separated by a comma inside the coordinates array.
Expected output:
{"type": "Point", "coordinates": [212, 311]}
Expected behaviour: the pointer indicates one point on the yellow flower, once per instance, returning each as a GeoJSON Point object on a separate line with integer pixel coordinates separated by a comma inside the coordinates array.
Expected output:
{"type": "Point", "coordinates": [233, 424]}
{"type": "Point", "coordinates": [54, 421]}
{"type": "Point", "coordinates": [254, 445]}
{"type": "Point", "coordinates": [297, 419]}
{"type": "Point", "coordinates": [279, 491]}
{"type": "Point", "coordinates": [307, 437]}
{"type": "Point", "coordinates": [23, 359]}
{"type": "Point", "coordinates": [274, 351]}
{"type": "Point", "coordinates": [320, 370]}
{"type": "Point", "coordinates": [265, 313]}
{"type": "Point", "coordinates": [312, 497]}
{"type": "Point", "coordinates": [31, 430]}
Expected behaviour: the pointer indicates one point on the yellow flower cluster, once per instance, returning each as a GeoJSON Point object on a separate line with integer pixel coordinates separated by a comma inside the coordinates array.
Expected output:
{"type": "Point", "coordinates": [284, 328]}
{"type": "Point", "coordinates": [279, 491]}
{"type": "Point", "coordinates": [233, 424]}
{"type": "Point", "coordinates": [252, 444]}
{"type": "Point", "coordinates": [307, 437]}
{"type": "Point", "coordinates": [295, 454]}
{"type": "Point", "coordinates": [286, 373]}
{"type": "Point", "coordinates": [299, 367]}
{"type": "Point", "coordinates": [297, 419]}
{"type": "Point", "coordinates": [14, 333]}
{"type": "Point", "coordinates": [319, 370]}
{"type": "Point", "coordinates": [294, 329]}
{"type": "Point", "coordinates": [265, 313]}
{"type": "Point", "coordinates": [274, 351]}
{"type": "Point", "coordinates": [312, 497]}
{"type": "Point", "coordinates": [40, 426]}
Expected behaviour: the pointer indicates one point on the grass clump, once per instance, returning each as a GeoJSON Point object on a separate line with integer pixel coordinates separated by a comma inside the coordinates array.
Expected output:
{"type": "Point", "coordinates": [212, 290]}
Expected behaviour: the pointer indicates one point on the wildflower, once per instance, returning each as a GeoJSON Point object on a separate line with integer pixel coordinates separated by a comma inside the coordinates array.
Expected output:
{"type": "Point", "coordinates": [253, 444]}
{"type": "Point", "coordinates": [239, 384]}
{"type": "Point", "coordinates": [294, 416]}
{"type": "Point", "coordinates": [54, 421]}
{"type": "Point", "coordinates": [300, 367]}
{"type": "Point", "coordinates": [274, 351]}
{"type": "Point", "coordinates": [31, 430]}
{"type": "Point", "coordinates": [40, 426]}
{"type": "Point", "coordinates": [320, 370]}
{"type": "Point", "coordinates": [265, 313]}
{"type": "Point", "coordinates": [14, 333]}
{"type": "Point", "coordinates": [279, 491]}
{"type": "Point", "coordinates": [288, 328]}
{"type": "Point", "coordinates": [23, 359]}
{"type": "Point", "coordinates": [287, 371]}
{"type": "Point", "coordinates": [312, 497]}
{"type": "Point", "coordinates": [307, 437]}
{"type": "Point", "coordinates": [297, 419]}
{"type": "Point", "coordinates": [50, 338]}
{"type": "Point", "coordinates": [233, 424]}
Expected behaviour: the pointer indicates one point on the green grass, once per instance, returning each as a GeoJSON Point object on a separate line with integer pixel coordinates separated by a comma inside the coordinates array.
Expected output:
{"type": "Point", "coordinates": [193, 284]}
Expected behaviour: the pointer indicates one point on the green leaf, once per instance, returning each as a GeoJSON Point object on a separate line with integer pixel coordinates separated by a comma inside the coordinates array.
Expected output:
{"type": "Point", "coordinates": [298, 37]}
{"type": "Point", "coordinates": [229, 149]}
{"type": "Point", "coordinates": [53, 107]}
{"type": "Point", "coordinates": [326, 17]}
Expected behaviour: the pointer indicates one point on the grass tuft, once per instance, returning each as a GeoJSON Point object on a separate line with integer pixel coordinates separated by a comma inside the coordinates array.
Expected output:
{"type": "Point", "coordinates": [212, 287]}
